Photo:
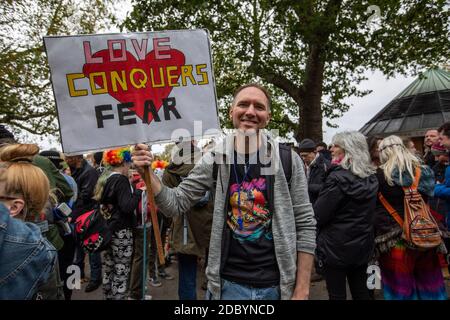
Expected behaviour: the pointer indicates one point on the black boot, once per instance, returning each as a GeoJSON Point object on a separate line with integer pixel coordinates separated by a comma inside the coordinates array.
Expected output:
{"type": "Point", "coordinates": [92, 286]}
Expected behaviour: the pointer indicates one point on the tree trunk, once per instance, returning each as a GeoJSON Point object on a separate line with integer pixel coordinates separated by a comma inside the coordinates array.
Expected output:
{"type": "Point", "coordinates": [310, 102]}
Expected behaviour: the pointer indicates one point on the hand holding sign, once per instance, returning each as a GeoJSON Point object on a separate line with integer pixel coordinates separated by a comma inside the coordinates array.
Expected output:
{"type": "Point", "coordinates": [141, 156]}
{"type": "Point", "coordinates": [142, 160]}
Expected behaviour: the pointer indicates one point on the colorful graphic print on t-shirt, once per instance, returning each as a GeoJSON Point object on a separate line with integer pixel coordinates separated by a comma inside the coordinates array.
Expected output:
{"type": "Point", "coordinates": [250, 217]}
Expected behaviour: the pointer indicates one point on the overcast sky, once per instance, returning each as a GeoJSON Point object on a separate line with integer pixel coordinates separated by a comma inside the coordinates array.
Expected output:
{"type": "Point", "coordinates": [365, 108]}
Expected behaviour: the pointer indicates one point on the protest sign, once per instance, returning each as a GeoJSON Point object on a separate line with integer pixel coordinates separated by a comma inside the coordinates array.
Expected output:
{"type": "Point", "coordinates": [118, 89]}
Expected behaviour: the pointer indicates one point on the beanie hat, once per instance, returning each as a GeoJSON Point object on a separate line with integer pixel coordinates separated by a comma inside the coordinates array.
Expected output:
{"type": "Point", "coordinates": [54, 157]}
{"type": "Point", "coordinates": [306, 145]}
{"type": "Point", "coordinates": [438, 149]}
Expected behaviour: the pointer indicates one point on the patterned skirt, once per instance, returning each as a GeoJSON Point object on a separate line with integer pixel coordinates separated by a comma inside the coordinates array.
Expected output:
{"type": "Point", "coordinates": [409, 274]}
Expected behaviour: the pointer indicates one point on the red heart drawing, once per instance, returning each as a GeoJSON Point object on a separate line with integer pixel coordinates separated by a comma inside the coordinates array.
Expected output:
{"type": "Point", "coordinates": [132, 94]}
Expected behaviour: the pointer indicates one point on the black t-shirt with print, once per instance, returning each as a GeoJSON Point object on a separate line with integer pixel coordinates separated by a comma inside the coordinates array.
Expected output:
{"type": "Point", "coordinates": [249, 247]}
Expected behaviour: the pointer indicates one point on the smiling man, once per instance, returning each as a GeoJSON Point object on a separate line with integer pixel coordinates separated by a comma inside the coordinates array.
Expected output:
{"type": "Point", "coordinates": [263, 230]}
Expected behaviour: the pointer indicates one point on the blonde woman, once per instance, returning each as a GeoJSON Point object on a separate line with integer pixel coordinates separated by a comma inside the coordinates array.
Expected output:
{"type": "Point", "coordinates": [406, 273]}
{"type": "Point", "coordinates": [27, 259]}
{"type": "Point", "coordinates": [344, 213]}
{"type": "Point", "coordinates": [119, 201]}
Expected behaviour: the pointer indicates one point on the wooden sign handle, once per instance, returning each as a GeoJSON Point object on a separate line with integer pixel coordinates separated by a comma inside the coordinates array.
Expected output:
{"type": "Point", "coordinates": [151, 202]}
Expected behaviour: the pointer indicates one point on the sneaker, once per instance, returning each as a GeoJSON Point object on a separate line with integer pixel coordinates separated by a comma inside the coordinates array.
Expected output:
{"type": "Point", "coordinates": [92, 286]}
{"type": "Point", "coordinates": [165, 276]}
{"type": "Point", "coordinates": [155, 282]}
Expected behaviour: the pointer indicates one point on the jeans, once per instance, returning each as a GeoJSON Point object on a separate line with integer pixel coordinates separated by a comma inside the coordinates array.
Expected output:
{"type": "Point", "coordinates": [95, 262]}
{"type": "Point", "coordinates": [187, 277]}
{"type": "Point", "coordinates": [235, 291]}
{"type": "Point", "coordinates": [357, 281]}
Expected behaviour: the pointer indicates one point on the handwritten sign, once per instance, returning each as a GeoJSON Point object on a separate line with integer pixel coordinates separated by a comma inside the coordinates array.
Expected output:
{"type": "Point", "coordinates": [117, 89]}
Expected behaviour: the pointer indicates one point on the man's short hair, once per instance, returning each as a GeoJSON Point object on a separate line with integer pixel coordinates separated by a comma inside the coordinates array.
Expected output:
{"type": "Point", "coordinates": [406, 141]}
{"type": "Point", "coordinates": [322, 144]}
{"type": "Point", "coordinates": [372, 142]}
{"type": "Point", "coordinates": [54, 157]}
{"type": "Point", "coordinates": [74, 156]}
{"type": "Point", "coordinates": [445, 129]}
{"type": "Point", "coordinates": [98, 156]}
{"type": "Point", "coordinates": [254, 85]}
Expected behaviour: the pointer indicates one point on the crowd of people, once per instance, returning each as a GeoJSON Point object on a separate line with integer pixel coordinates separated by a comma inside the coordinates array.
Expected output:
{"type": "Point", "coordinates": [354, 222]}
{"type": "Point", "coordinates": [35, 186]}
{"type": "Point", "coordinates": [266, 218]}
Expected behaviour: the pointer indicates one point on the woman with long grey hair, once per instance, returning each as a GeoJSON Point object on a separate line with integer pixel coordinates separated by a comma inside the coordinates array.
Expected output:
{"type": "Point", "coordinates": [406, 273]}
{"type": "Point", "coordinates": [345, 214]}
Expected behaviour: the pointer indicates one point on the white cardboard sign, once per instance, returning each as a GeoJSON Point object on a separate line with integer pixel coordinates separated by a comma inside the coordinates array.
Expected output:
{"type": "Point", "coordinates": [118, 89]}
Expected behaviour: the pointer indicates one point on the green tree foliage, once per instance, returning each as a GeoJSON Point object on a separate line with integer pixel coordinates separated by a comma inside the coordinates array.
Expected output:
{"type": "Point", "coordinates": [311, 53]}
{"type": "Point", "coordinates": [26, 97]}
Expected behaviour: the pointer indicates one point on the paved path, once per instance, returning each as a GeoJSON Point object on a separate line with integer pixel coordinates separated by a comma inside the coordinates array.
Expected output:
{"type": "Point", "coordinates": [169, 288]}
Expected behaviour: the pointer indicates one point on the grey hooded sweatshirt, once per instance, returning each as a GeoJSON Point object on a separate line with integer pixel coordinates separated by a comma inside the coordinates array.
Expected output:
{"type": "Point", "coordinates": [293, 222]}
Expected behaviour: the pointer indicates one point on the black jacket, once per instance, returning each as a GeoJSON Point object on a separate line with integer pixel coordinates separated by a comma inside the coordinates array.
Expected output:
{"type": "Point", "coordinates": [317, 177]}
{"type": "Point", "coordinates": [86, 178]}
{"type": "Point", "coordinates": [429, 159]}
{"type": "Point", "coordinates": [121, 202]}
{"type": "Point", "coordinates": [345, 216]}
{"type": "Point", "coordinates": [439, 172]}
{"type": "Point", "coordinates": [326, 154]}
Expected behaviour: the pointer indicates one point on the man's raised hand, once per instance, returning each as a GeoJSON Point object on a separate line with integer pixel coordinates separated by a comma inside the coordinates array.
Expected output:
{"type": "Point", "coordinates": [141, 157]}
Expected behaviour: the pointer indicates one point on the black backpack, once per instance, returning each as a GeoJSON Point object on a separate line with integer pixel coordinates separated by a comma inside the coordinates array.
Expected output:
{"type": "Point", "coordinates": [286, 162]}
{"type": "Point", "coordinates": [91, 231]}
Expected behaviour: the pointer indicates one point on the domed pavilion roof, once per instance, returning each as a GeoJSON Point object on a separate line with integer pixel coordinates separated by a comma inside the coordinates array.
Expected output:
{"type": "Point", "coordinates": [423, 105]}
